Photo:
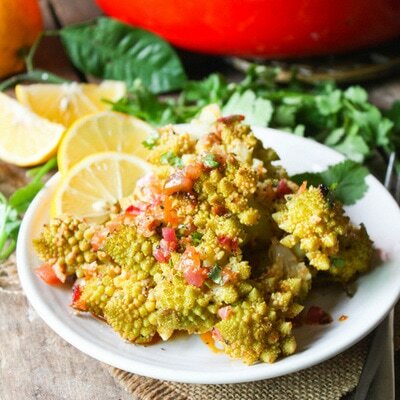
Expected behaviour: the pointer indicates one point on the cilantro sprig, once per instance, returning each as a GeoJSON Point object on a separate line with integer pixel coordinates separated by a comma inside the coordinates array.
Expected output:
{"type": "Point", "coordinates": [343, 119]}
{"type": "Point", "coordinates": [11, 210]}
{"type": "Point", "coordinates": [345, 180]}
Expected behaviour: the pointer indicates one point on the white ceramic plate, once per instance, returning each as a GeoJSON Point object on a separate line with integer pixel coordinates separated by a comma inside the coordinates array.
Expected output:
{"type": "Point", "coordinates": [187, 359]}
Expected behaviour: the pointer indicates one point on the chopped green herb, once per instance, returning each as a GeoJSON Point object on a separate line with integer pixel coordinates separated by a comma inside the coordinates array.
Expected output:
{"type": "Point", "coordinates": [172, 159]}
{"type": "Point", "coordinates": [338, 262]}
{"type": "Point", "coordinates": [216, 275]}
{"type": "Point", "coordinates": [196, 237]}
{"type": "Point", "coordinates": [151, 141]}
{"type": "Point", "coordinates": [209, 161]}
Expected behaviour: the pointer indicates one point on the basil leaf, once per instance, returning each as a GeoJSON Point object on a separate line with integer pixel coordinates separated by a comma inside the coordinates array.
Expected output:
{"type": "Point", "coordinates": [109, 49]}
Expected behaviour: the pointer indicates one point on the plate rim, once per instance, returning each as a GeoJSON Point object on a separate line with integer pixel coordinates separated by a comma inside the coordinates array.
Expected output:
{"type": "Point", "coordinates": [61, 327]}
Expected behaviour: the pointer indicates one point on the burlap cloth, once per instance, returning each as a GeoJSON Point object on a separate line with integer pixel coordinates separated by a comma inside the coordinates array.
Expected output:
{"type": "Point", "coordinates": [330, 380]}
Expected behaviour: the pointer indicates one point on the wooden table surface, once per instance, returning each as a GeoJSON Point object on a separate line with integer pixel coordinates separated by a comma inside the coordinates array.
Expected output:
{"type": "Point", "coordinates": [35, 363]}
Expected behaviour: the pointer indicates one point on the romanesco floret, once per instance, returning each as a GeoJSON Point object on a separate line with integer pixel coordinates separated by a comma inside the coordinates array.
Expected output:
{"type": "Point", "coordinates": [314, 221]}
{"type": "Point", "coordinates": [132, 251]}
{"type": "Point", "coordinates": [257, 328]}
{"type": "Point", "coordinates": [354, 256]}
{"type": "Point", "coordinates": [182, 306]}
{"type": "Point", "coordinates": [171, 142]}
{"type": "Point", "coordinates": [66, 241]}
{"type": "Point", "coordinates": [131, 310]}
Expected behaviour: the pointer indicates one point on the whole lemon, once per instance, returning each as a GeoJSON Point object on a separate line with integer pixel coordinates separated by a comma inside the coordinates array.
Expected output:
{"type": "Point", "coordinates": [20, 24]}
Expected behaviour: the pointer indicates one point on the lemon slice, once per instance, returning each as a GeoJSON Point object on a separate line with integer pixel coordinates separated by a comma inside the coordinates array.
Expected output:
{"type": "Point", "coordinates": [25, 138]}
{"type": "Point", "coordinates": [95, 184]}
{"type": "Point", "coordinates": [65, 103]}
{"type": "Point", "coordinates": [107, 131]}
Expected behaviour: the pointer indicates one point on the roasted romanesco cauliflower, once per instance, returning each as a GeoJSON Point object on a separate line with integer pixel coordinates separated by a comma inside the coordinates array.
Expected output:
{"type": "Point", "coordinates": [217, 239]}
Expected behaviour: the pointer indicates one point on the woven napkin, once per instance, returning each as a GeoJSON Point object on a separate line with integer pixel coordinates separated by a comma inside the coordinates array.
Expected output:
{"type": "Point", "coordinates": [330, 380]}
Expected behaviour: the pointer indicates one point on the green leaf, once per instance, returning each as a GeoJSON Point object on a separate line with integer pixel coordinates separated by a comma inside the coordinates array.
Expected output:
{"type": "Point", "coordinates": [329, 103]}
{"type": "Point", "coordinates": [346, 179]}
{"type": "Point", "coordinates": [257, 111]}
{"type": "Point", "coordinates": [212, 89]}
{"type": "Point", "coordinates": [216, 275]}
{"type": "Point", "coordinates": [354, 147]}
{"type": "Point", "coordinates": [196, 238]}
{"type": "Point", "coordinates": [394, 114]}
{"type": "Point", "coordinates": [209, 161]}
{"type": "Point", "coordinates": [109, 49]}
{"type": "Point", "coordinates": [356, 94]}
{"type": "Point", "coordinates": [338, 262]}
{"type": "Point", "coordinates": [172, 159]}
{"type": "Point", "coordinates": [151, 141]}
{"type": "Point", "coordinates": [22, 197]}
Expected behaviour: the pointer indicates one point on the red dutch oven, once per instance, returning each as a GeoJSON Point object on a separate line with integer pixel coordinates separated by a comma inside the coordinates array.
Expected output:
{"type": "Point", "coordinates": [264, 28]}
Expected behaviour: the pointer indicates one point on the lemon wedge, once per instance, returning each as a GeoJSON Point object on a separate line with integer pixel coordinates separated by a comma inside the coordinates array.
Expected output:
{"type": "Point", "coordinates": [26, 139]}
{"type": "Point", "coordinates": [65, 103]}
{"type": "Point", "coordinates": [91, 188]}
{"type": "Point", "coordinates": [106, 131]}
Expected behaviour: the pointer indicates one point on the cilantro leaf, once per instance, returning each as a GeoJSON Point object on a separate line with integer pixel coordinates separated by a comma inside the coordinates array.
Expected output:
{"type": "Point", "coordinates": [216, 275]}
{"type": "Point", "coordinates": [209, 161]}
{"type": "Point", "coordinates": [346, 179]}
{"type": "Point", "coordinates": [172, 159]}
{"type": "Point", "coordinates": [151, 141]}
{"type": "Point", "coordinates": [258, 111]}
{"type": "Point", "coordinates": [196, 238]}
{"type": "Point", "coordinates": [338, 262]}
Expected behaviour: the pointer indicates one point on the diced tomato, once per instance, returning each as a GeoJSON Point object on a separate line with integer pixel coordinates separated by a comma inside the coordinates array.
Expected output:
{"type": "Point", "coordinates": [47, 274]}
{"type": "Point", "coordinates": [228, 275]}
{"type": "Point", "coordinates": [161, 255]}
{"type": "Point", "coordinates": [218, 209]}
{"type": "Point", "coordinates": [190, 265]}
{"type": "Point", "coordinates": [231, 119]}
{"type": "Point", "coordinates": [282, 189]}
{"type": "Point", "coordinates": [216, 334]}
{"type": "Point", "coordinates": [146, 224]}
{"type": "Point", "coordinates": [230, 244]}
{"type": "Point", "coordinates": [163, 251]}
{"type": "Point", "coordinates": [195, 277]}
{"type": "Point", "coordinates": [98, 239]}
{"type": "Point", "coordinates": [169, 234]}
{"type": "Point", "coordinates": [317, 316]}
{"type": "Point", "coordinates": [225, 312]}
{"type": "Point", "coordinates": [133, 210]}
{"type": "Point", "coordinates": [170, 215]}
{"type": "Point", "coordinates": [302, 188]}
{"type": "Point", "coordinates": [178, 182]}
{"type": "Point", "coordinates": [76, 293]}
{"type": "Point", "coordinates": [193, 171]}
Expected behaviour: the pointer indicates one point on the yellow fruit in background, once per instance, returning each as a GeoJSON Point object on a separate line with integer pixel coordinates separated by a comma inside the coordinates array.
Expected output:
{"type": "Point", "coordinates": [65, 103]}
{"type": "Point", "coordinates": [25, 138]}
{"type": "Point", "coordinates": [20, 25]}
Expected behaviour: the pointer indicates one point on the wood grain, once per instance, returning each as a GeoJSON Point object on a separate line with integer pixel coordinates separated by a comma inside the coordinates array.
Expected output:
{"type": "Point", "coordinates": [38, 364]}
